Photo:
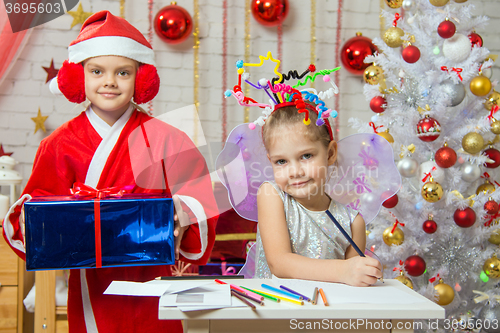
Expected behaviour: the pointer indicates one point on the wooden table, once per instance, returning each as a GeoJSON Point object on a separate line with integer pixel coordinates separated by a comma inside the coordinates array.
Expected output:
{"type": "Point", "coordinates": [286, 317]}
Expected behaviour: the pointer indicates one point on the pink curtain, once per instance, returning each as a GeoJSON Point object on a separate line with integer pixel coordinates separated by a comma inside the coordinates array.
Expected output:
{"type": "Point", "coordinates": [11, 44]}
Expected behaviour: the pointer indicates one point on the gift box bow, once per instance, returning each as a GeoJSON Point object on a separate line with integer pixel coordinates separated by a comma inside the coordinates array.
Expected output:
{"type": "Point", "coordinates": [80, 190]}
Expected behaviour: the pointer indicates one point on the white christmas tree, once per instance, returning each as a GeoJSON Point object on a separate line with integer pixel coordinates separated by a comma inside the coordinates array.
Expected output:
{"type": "Point", "coordinates": [429, 85]}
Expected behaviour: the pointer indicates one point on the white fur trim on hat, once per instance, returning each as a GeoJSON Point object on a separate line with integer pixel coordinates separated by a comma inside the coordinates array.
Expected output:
{"type": "Point", "coordinates": [111, 45]}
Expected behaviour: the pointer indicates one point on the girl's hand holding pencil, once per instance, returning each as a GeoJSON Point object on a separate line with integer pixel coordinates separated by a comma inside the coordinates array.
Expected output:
{"type": "Point", "coordinates": [361, 271]}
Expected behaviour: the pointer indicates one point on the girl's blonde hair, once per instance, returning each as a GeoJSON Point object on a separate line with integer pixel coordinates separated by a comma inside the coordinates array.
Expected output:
{"type": "Point", "coordinates": [287, 117]}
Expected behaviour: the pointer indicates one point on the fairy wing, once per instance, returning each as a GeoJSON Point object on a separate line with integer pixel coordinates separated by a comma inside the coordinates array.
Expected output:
{"type": "Point", "coordinates": [364, 176]}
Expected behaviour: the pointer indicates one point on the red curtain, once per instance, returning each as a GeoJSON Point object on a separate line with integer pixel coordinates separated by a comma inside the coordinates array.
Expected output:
{"type": "Point", "coordinates": [11, 44]}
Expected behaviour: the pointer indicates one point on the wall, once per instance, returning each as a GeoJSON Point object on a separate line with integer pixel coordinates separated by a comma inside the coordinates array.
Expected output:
{"type": "Point", "coordinates": [24, 90]}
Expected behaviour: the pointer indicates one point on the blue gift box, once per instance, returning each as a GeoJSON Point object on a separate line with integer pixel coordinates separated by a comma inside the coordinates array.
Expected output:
{"type": "Point", "coordinates": [61, 232]}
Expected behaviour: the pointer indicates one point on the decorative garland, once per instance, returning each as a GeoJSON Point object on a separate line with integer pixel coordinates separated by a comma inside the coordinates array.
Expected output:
{"type": "Point", "coordinates": [247, 52]}
{"type": "Point", "coordinates": [313, 35]}
{"type": "Point", "coordinates": [196, 60]}
{"type": "Point", "coordinates": [337, 64]}
{"type": "Point", "coordinates": [224, 69]}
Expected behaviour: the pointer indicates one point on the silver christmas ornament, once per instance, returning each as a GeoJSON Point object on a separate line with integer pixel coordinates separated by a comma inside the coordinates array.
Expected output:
{"type": "Point", "coordinates": [456, 91]}
{"type": "Point", "coordinates": [408, 5]}
{"type": "Point", "coordinates": [489, 316]}
{"type": "Point", "coordinates": [408, 167]}
{"type": "Point", "coordinates": [470, 172]}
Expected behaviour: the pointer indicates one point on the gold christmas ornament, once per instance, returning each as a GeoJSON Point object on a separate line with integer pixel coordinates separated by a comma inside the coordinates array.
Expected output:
{"type": "Point", "coordinates": [386, 135]}
{"type": "Point", "coordinates": [486, 187]}
{"type": "Point", "coordinates": [445, 293]}
{"type": "Point", "coordinates": [392, 37]}
{"type": "Point", "coordinates": [492, 267]}
{"type": "Point", "coordinates": [472, 142]}
{"type": "Point", "coordinates": [438, 3]}
{"type": "Point", "coordinates": [394, 3]}
{"type": "Point", "coordinates": [495, 237]}
{"type": "Point", "coordinates": [492, 100]}
{"type": "Point", "coordinates": [480, 85]}
{"type": "Point", "coordinates": [393, 238]}
{"type": "Point", "coordinates": [404, 280]}
{"type": "Point", "coordinates": [373, 74]}
{"type": "Point", "coordinates": [495, 126]}
{"type": "Point", "coordinates": [432, 191]}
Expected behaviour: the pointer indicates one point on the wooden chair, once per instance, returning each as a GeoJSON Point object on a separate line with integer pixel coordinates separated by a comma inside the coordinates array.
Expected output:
{"type": "Point", "coordinates": [49, 318]}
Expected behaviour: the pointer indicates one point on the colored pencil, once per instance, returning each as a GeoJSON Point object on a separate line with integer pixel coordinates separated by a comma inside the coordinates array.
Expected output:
{"type": "Point", "coordinates": [349, 239]}
{"type": "Point", "coordinates": [315, 296]}
{"type": "Point", "coordinates": [243, 300]}
{"type": "Point", "coordinates": [262, 294]}
{"type": "Point", "coordinates": [283, 298]}
{"type": "Point", "coordinates": [287, 293]}
{"type": "Point", "coordinates": [256, 300]}
{"type": "Point", "coordinates": [296, 293]}
{"type": "Point", "coordinates": [241, 290]}
{"type": "Point", "coordinates": [323, 296]}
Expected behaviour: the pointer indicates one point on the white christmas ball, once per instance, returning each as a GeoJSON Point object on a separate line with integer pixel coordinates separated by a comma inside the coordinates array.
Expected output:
{"type": "Point", "coordinates": [457, 48]}
{"type": "Point", "coordinates": [488, 72]}
{"type": "Point", "coordinates": [437, 174]}
{"type": "Point", "coordinates": [408, 167]}
{"type": "Point", "coordinates": [408, 5]}
{"type": "Point", "coordinates": [470, 172]}
{"type": "Point", "coordinates": [456, 91]}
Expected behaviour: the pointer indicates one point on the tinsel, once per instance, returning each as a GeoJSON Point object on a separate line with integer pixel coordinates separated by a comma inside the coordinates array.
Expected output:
{"type": "Point", "coordinates": [196, 63]}
{"type": "Point", "coordinates": [150, 40]}
{"type": "Point", "coordinates": [313, 35]}
{"type": "Point", "coordinates": [338, 41]}
{"type": "Point", "coordinates": [224, 69]}
{"type": "Point", "coordinates": [248, 11]}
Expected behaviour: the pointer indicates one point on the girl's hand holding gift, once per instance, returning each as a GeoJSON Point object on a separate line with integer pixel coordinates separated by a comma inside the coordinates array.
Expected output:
{"type": "Point", "coordinates": [181, 223]}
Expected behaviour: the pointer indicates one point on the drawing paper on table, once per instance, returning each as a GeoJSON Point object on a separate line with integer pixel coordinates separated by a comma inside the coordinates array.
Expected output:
{"type": "Point", "coordinates": [129, 288]}
{"type": "Point", "coordinates": [207, 295]}
{"type": "Point", "coordinates": [235, 303]}
{"type": "Point", "coordinates": [181, 285]}
{"type": "Point", "coordinates": [338, 293]}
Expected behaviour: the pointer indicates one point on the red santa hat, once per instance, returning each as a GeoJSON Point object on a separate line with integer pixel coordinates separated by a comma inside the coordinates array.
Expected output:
{"type": "Point", "coordinates": [104, 34]}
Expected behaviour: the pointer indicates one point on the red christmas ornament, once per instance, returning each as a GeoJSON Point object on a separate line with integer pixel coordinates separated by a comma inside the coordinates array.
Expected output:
{"type": "Point", "coordinates": [445, 157]}
{"type": "Point", "coordinates": [428, 129]}
{"type": "Point", "coordinates": [475, 39]}
{"type": "Point", "coordinates": [491, 207]}
{"type": "Point", "coordinates": [411, 54]}
{"type": "Point", "coordinates": [465, 218]}
{"type": "Point", "coordinates": [430, 226]}
{"type": "Point", "coordinates": [378, 104]}
{"type": "Point", "coordinates": [390, 202]}
{"type": "Point", "coordinates": [446, 29]}
{"type": "Point", "coordinates": [415, 265]}
{"type": "Point", "coordinates": [354, 52]}
{"type": "Point", "coordinates": [493, 154]}
{"type": "Point", "coordinates": [269, 12]}
{"type": "Point", "coordinates": [173, 24]}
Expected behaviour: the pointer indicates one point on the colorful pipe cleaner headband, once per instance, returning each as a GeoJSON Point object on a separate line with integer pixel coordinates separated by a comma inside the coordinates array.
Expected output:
{"type": "Point", "coordinates": [283, 95]}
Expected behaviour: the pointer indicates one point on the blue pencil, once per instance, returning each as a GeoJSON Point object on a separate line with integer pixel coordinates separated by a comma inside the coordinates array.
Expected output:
{"type": "Point", "coordinates": [289, 294]}
{"type": "Point", "coordinates": [296, 293]}
{"type": "Point", "coordinates": [349, 239]}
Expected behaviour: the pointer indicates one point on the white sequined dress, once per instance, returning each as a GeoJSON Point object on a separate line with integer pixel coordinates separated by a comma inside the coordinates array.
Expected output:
{"type": "Point", "coordinates": [312, 233]}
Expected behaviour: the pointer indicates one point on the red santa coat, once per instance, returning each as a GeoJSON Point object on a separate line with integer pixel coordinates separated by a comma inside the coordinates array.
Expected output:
{"type": "Point", "coordinates": [83, 150]}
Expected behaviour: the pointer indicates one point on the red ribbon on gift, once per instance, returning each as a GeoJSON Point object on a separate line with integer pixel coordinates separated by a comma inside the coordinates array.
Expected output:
{"type": "Point", "coordinates": [83, 191]}
{"type": "Point", "coordinates": [453, 69]}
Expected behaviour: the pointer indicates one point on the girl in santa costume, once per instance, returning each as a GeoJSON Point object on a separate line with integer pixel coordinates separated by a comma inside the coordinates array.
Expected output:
{"type": "Point", "coordinates": [113, 143]}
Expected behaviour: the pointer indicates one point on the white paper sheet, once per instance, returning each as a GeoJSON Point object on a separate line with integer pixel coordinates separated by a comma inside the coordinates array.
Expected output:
{"type": "Point", "coordinates": [129, 288]}
{"type": "Point", "coordinates": [338, 293]}
{"type": "Point", "coordinates": [180, 285]}
{"type": "Point", "coordinates": [207, 295]}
